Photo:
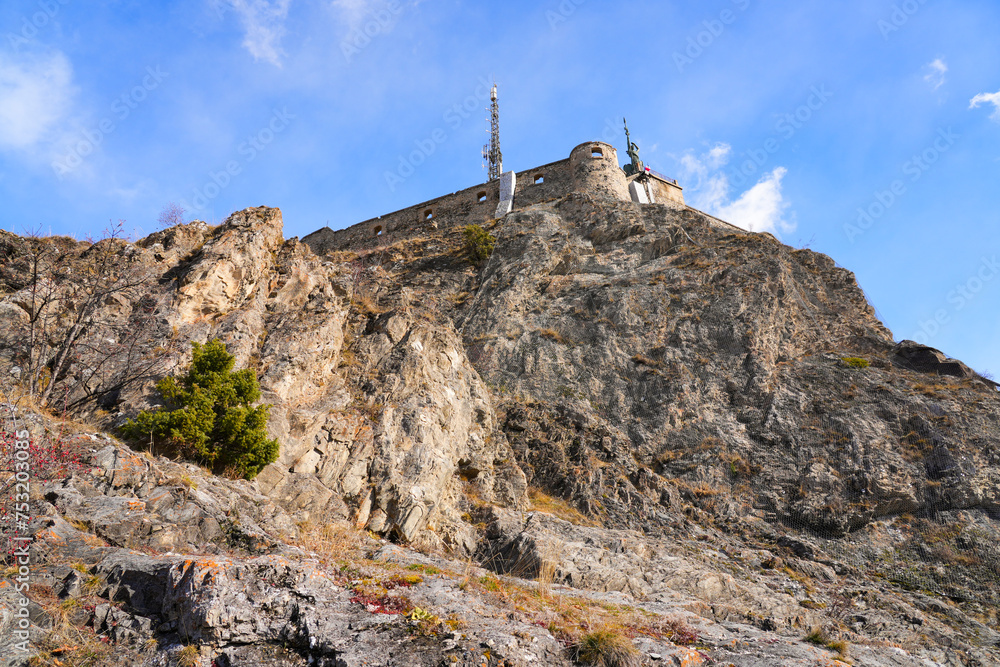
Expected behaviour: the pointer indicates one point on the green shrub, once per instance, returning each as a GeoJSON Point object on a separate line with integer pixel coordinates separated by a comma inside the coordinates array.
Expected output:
{"type": "Point", "coordinates": [606, 648]}
{"type": "Point", "coordinates": [210, 417]}
{"type": "Point", "coordinates": [479, 243]}
{"type": "Point", "coordinates": [855, 362]}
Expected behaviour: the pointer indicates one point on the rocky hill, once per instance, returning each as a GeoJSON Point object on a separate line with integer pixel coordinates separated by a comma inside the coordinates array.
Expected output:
{"type": "Point", "coordinates": [633, 420]}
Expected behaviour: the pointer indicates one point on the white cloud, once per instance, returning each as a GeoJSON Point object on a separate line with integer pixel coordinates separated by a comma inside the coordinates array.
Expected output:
{"type": "Point", "coordinates": [719, 155]}
{"type": "Point", "coordinates": [353, 11]}
{"type": "Point", "coordinates": [35, 97]}
{"type": "Point", "coordinates": [761, 208]}
{"type": "Point", "coordinates": [698, 166]}
{"type": "Point", "coordinates": [264, 23]}
{"type": "Point", "coordinates": [988, 98]}
{"type": "Point", "coordinates": [936, 70]}
{"type": "Point", "coordinates": [692, 166]}
{"type": "Point", "coordinates": [712, 193]}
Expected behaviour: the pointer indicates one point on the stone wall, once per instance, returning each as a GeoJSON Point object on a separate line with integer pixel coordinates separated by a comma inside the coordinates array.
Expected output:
{"type": "Point", "coordinates": [656, 189]}
{"type": "Point", "coordinates": [663, 190]}
{"type": "Point", "coordinates": [596, 171]}
{"type": "Point", "coordinates": [474, 205]}
{"type": "Point", "coordinates": [556, 180]}
{"type": "Point", "coordinates": [591, 167]}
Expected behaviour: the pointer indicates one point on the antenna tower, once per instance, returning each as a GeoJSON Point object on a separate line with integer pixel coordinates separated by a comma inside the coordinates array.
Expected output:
{"type": "Point", "coordinates": [491, 151]}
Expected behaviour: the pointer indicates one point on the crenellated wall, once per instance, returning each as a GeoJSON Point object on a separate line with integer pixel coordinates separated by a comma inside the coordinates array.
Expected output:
{"type": "Point", "coordinates": [591, 167]}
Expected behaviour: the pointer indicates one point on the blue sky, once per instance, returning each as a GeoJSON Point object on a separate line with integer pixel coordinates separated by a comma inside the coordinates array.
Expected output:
{"type": "Point", "coordinates": [866, 130]}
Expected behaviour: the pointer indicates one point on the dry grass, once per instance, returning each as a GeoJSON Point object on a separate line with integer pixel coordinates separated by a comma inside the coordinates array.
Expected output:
{"type": "Point", "coordinates": [571, 618]}
{"type": "Point", "coordinates": [643, 360]}
{"type": "Point", "coordinates": [342, 256]}
{"type": "Point", "coordinates": [347, 358]}
{"type": "Point", "coordinates": [188, 656]}
{"type": "Point", "coordinates": [333, 542]}
{"type": "Point", "coordinates": [932, 390]}
{"type": "Point", "coordinates": [819, 637]}
{"type": "Point", "coordinates": [547, 568]}
{"type": "Point", "coordinates": [915, 448]}
{"type": "Point", "coordinates": [366, 304]}
{"type": "Point", "coordinates": [372, 410]}
{"type": "Point", "coordinates": [701, 489]}
{"type": "Point", "coordinates": [668, 455]}
{"type": "Point", "coordinates": [66, 644]}
{"type": "Point", "coordinates": [72, 648]}
{"type": "Point", "coordinates": [606, 648]}
{"type": "Point", "coordinates": [559, 508]}
{"type": "Point", "coordinates": [183, 481]}
{"type": "Point", "coordinates": [737, 466]}
{"type": "Point", "coordinates": [553, 335]}
{"type": "Point", "coordinates": [385, 588]}
{"type": "Point", "coordinates": [80, 525]}
{"type": "Point", "coordinates": [382, 587]}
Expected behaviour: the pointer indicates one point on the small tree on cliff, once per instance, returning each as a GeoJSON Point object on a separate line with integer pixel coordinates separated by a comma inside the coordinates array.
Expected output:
{"type": "Point", "coordinates": [479, 244]}
{"type": "Point", "coordinates": [211, 417]}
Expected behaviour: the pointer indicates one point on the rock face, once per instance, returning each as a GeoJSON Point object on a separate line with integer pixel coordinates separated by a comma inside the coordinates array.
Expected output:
{"type": "Point", "coordinates": [387, 439]}
{"type": "Point", "coordinates": [731, 431]}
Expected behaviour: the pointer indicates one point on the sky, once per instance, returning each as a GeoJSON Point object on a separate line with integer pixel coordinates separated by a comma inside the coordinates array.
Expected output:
{"type": "Point", "coordinates": [866, 130]}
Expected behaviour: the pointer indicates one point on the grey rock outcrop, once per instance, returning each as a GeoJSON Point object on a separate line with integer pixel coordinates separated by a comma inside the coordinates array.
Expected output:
{"type": "Point", "coordinates": [688, 395]}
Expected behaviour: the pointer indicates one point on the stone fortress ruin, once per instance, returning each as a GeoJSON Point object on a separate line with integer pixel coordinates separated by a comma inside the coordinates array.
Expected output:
{"type": "Point", "coordinates": [591, 167]}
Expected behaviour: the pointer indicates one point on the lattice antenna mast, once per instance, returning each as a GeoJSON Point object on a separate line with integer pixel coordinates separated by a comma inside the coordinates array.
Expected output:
{"type": "Point", "coordinates": [491, 152]}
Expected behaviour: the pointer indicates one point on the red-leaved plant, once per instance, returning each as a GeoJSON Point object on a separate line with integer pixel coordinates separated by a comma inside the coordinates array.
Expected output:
{"type": "Point", "coordinates": [50, 456]}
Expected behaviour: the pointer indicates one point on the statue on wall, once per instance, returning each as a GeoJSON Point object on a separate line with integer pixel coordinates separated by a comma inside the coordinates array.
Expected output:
{"type": "Point", "coordinates": [636, 166]}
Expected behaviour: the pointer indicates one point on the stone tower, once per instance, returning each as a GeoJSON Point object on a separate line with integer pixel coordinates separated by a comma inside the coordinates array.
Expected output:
{"type": "Point", "coordinates": [594, 168]}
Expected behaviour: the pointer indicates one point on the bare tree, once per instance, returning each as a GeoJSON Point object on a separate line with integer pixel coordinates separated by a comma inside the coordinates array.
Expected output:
{"type": "Point", "coordinates": [32, 264]}
{"type": "Point", "coordinates": [171, 215]}
{"type": "Point", "coordinates": [367, 271]}
{"type": "Point", "coordinates": [90, 317]}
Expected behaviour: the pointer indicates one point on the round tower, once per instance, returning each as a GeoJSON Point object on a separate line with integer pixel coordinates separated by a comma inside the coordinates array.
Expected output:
{"type": "Point", "coordinates": [595, 170]}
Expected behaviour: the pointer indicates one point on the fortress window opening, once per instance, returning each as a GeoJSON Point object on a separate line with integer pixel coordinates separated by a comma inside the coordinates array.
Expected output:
{"type": "Point", "coordinates": [484, 202]}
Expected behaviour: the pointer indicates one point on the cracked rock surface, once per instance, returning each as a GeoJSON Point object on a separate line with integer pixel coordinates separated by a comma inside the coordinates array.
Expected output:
{"type": "Point", "coordinates": [633, 417]}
